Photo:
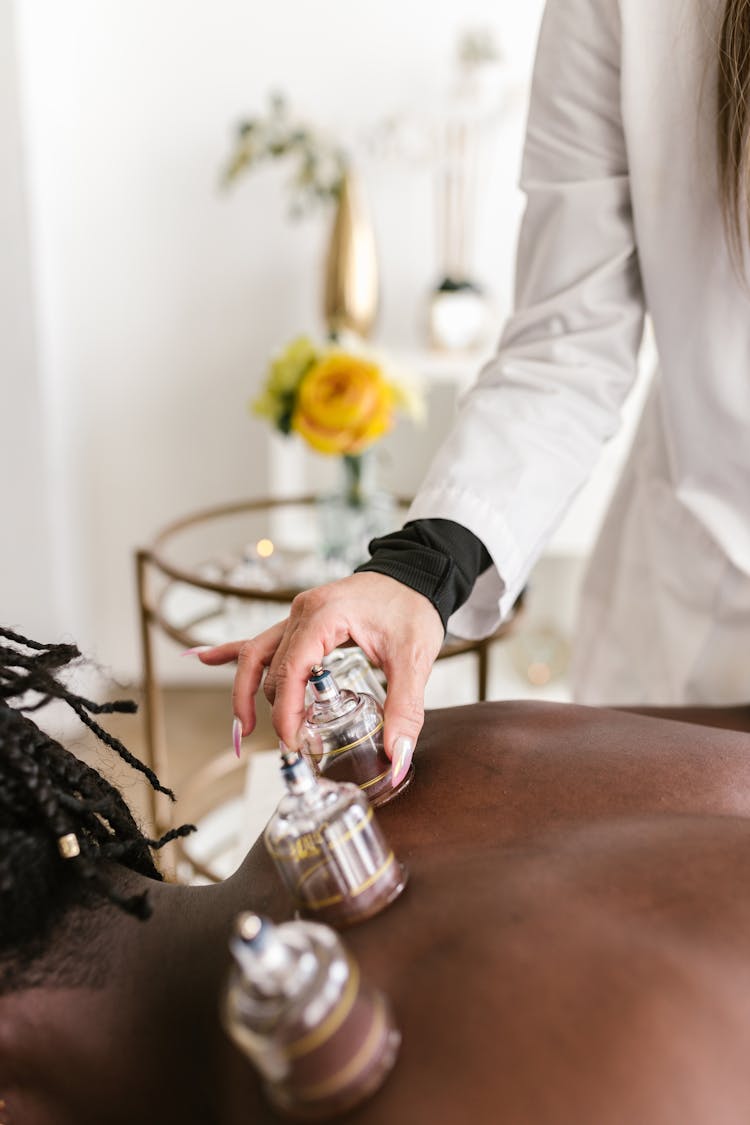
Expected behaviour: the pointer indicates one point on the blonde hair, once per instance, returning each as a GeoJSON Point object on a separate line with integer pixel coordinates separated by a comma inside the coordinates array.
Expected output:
{"type": "Point", "coordinates": [733, 122]}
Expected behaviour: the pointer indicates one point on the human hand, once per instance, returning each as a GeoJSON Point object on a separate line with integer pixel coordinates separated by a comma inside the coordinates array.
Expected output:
{"type": "Point", "coordinates": [398, 629]}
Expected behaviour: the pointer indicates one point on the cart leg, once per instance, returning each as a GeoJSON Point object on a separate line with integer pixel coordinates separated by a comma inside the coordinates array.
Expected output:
{"type": "Point", "coordinates": [153, 710]}
{"type": "Point", "coordinates": [482, 670]}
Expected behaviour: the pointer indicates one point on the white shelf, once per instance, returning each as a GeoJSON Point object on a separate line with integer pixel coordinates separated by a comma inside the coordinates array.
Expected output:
{"type": "Point", "coordinates": [458, 369]}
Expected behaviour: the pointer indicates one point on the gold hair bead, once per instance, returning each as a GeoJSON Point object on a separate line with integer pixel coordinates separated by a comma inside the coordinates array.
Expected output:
{"type": "Point", "coordinates": [68, 846]}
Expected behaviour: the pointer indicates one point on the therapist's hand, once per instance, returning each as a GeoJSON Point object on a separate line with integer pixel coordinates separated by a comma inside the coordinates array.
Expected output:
{"type": "Point", "coordinates": [398, 629]}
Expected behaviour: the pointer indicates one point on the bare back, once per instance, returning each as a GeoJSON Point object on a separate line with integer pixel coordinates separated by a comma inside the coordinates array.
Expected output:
{"type": "Point", "coordinates": [574, 945]}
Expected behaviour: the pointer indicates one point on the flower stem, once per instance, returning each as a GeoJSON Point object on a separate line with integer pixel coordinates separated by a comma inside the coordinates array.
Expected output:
{"type": "Point", "coordinates": [355, 495]}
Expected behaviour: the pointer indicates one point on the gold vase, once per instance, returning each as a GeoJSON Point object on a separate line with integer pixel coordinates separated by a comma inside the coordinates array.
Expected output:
{"type": "Point", "coordinates": [351, 268]}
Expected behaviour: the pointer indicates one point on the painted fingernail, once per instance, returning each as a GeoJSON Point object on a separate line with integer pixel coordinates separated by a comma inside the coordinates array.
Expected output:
{"type": "Point", "coordinates": [403, 750]}
{"type": "Point", "coordinates": [237, 736]}
{"type": "Point", "coordinates": [196, 650]}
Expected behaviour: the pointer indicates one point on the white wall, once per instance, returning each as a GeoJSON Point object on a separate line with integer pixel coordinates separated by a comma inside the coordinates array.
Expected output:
{"type": "Point", "coordinates": [156, 298]}
{"type": "Point", "coordinates": [28, 567]}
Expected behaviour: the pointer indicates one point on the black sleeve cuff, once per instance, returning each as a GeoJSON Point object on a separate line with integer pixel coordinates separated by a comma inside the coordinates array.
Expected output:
{"type": "Point", "coordinates": [437, 558]}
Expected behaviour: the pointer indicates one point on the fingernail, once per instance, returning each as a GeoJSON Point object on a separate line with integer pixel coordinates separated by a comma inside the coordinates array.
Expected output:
{"type": "Point", "coordinates": [403, 750]}
{"type": "Point", "coordinates": [237, 736]}
{"type": "Point", "coordinates": [196, 650]}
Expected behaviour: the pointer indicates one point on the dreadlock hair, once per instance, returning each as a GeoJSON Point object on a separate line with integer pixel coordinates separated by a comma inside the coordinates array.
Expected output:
{"type": "Point", "coordinates": [48, 794]}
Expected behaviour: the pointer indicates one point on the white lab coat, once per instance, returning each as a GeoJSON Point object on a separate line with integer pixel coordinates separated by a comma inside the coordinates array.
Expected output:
{"type": "Point", "coordinates": [622, 217]}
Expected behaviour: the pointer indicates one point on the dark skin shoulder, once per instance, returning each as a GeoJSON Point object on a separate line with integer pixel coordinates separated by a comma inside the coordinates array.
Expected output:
{"type": "Point", "coordinates": [571, 946]}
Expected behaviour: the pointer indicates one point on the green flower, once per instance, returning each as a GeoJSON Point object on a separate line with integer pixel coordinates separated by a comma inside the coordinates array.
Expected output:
{"type": "Point", "coordinates": [277, 398]}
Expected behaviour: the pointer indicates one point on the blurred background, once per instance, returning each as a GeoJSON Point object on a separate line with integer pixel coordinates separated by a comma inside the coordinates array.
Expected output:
{"type": "Point", "coordinates": [140, 300]}
{"type": "Point", "coordinates": [141, 296]}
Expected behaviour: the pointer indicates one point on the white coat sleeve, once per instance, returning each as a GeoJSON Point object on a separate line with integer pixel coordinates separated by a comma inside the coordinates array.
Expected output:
{"type": "Point", "coordinates": [529, 433]}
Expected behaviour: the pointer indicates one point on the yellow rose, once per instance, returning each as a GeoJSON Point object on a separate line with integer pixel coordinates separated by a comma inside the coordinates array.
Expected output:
{"type": "Point", "coordinates": [343, 404]}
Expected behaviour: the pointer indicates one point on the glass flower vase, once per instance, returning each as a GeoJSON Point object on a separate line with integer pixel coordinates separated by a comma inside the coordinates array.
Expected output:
{"type": "Point", "coordinates": [354, 513]}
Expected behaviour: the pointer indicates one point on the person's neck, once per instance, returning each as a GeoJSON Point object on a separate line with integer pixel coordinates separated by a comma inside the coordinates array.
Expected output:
{"type": "Point", "coordinates": [255, 885]}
